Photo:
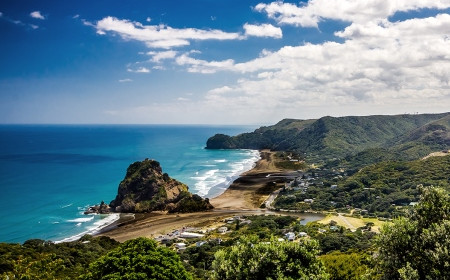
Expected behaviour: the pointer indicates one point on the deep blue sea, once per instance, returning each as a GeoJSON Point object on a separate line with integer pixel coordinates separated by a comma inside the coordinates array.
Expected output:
{"type": "Point", "coordinates": [49, 174]}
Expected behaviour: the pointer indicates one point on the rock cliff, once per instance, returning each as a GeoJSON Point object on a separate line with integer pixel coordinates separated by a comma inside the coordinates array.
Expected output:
{"type": "Point", "coordinates": [146, 188]}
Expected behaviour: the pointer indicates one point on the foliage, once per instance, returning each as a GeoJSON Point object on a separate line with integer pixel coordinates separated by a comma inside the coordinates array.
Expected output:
{"type": "Point", "coordinates": [417, 247]}
{"type": "Point", "coordinates": [38, 259]}
{"type": "Point", "coordinates": [191, 203]}
{"type": "Point", "coordinates": [139, 258]}
{"type": "Point", "coordinates": [346, 266]}
{"type": "Point", "coordinates": [381, 189]}
{"type": "Point", "coordinates": [251, 259]}
{"type": "Point", "coordinates": [328, 138]}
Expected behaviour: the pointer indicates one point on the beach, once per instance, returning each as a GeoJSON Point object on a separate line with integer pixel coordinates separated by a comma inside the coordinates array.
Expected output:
{"type": "Point", "coordinates": [243, 197]}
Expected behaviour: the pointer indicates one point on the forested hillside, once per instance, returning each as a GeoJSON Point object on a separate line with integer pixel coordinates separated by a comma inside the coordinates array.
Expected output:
{"type": "Point", "coordinates": [407, 136]}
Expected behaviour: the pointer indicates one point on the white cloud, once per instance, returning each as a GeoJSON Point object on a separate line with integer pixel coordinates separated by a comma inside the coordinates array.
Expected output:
{"type": "Point", "coordinates": [263, 30]}
{"type": "Point", "coordinates": [379, 65]}
{"type": "Point", "coordinates": [34, 26]}
{"type": "Point", "coordinates": [125, 80]}
{"type": "Point", "coordinates": [148, 19]}
{"type": "Point", "coordinates": [158, 56]}
{"type": "Point", "coordinates": [76, 16]}
{"type": "Point", "coordinates": [37, 15]}
{"type": "Point", "coordinates": [220, 90]}
{"type": "Point", "coordinates": [139, 70]}
{"type": "Point", "coordinates": [1, 14]}
{"type": "Point", "coordinates": [159, 36]}
{"type": "Point", "coordinates": [310, 14]}
{"type": "Point", "coordinates": [203, 66]}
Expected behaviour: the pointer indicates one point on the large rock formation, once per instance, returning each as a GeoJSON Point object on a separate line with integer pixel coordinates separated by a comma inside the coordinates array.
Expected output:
{"type": "Point", "coordinates": [146, 188]}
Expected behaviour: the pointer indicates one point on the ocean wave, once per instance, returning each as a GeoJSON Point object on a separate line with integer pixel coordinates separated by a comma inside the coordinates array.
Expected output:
{"type": "Point", "coordinates": [65, 206]}
{"type": "Point", "coordinates": [81, 220]}
{"type": "Point", "coordinates": [95, 228]}
{"type": "Point", "coordinates": [215, 181]}
{"type": "Point", "coordinates": [220, 160]}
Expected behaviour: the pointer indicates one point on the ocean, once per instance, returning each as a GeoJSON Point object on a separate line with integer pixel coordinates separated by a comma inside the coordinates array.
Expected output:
{"type": "Point", "coordinates": [49, 174]}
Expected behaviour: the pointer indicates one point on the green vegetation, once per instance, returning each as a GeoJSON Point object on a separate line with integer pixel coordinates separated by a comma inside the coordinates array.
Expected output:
{"type": "Point", "coordinates": [417, 247]}
{"type": "Point", "coordinates": [38, 259]}
{"type": "Point", "coordinates": [346, 266]}
{"type": "Point", "coordinates": [412, 247]}
{"type": "Point", "coordinates": [253, 259]}
{"type": "Point", "coordinates": [333, 139]}
{"type": "Point", "coordinates": [140, 258]}
{"type": "Point", "coordinates": [382, 189]}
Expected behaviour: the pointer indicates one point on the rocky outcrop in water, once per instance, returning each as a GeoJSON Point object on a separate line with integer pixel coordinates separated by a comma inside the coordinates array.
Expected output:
{"type": "Point", "coordinates": [146, 188]}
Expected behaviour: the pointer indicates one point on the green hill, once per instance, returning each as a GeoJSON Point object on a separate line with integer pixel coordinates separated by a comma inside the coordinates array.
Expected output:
{"type": "Point", "coordinates": [377, 188]}
{"type": "Point", "coordinates": [329, 137]}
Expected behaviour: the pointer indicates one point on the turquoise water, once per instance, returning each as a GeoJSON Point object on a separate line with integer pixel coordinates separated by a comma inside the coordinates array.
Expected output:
{"type": "Point", "coordinates": [50, 174]}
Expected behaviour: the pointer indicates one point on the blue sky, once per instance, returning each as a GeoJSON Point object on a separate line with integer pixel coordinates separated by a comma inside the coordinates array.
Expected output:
{"type": "Point", "coordinates": [221, 62]}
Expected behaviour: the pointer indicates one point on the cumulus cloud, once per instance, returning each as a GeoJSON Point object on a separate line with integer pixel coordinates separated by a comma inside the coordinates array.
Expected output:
{"type": "Point", "coordinates": [404, 63]}
{"type": "Point", "coordinates": [263, 30]}
{"type": "Point", "coordinates": [310, 14]}
{"type": "Point", "coordinates": [37, 15]}
{"type": "Point", "coordinates": [159, 36]}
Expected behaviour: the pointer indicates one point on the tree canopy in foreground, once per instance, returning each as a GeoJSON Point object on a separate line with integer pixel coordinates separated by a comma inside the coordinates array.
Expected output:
{"type": "Point", "coordinates": [137, 259]}
{"type": "Point", "coordinates": [251, 259]}
{"type": "Point", "coordinates": [418, 247]}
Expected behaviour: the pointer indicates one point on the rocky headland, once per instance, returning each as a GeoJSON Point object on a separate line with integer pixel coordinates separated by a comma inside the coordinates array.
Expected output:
{"type": "Point", "coordinates": [146, 188]}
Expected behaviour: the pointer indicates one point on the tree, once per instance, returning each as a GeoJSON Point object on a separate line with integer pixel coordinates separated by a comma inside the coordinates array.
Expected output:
{"type": "Point", "coordinates": [250, 259]}
{"type": "Point", "coordinates": [417, 247]}
{"type": "Point", "coordinates": [351, 265]}
{"type": "Point", "coordinates": [137, 259]}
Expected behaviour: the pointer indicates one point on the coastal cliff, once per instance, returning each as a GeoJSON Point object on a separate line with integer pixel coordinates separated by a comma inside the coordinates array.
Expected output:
{"type": "Point", "coordinates": [146, 188]}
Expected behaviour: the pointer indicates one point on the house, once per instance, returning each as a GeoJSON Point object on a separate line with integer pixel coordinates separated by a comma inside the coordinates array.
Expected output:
{"type": "Point", "coordinates": [290, 236]}
{"type": "Point", "coordinates": [302, 234]}
{"type": "Point", "coordinates": [334, 228]}
{"type": "Point", "coordinates": [333, 187]}
{"type": "Point", "coordinates": [191, 235]}
{"type": "Point", "coordinates": [309, 200]}
{"type": "Point", "coordinates": [180, 246]}
{"type": "Point", "coordinates": [222, 229]}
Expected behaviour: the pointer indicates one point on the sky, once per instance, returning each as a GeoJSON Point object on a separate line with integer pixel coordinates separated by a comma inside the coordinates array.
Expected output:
{"type": "Point", "coordinates": [221, 61]}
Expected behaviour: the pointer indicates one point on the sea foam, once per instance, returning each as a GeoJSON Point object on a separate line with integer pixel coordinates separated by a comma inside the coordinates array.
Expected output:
{"type": "Point", "coordinates": [104, 221]}
{"type": "Point", "coordinates": [216, 178]}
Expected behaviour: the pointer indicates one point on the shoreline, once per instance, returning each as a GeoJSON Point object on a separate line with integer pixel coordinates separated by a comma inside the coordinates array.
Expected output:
{"type": "Point", "coordinates": [243, 196]}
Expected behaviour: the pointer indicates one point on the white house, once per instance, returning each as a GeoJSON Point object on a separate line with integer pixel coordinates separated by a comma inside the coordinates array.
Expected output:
{"type": "Point", "coordinates": [222, 229]}
{"type": "Point", "coordinates": [180, 246]}
{"type": "Point", "coordinates": [191, 235]}
{"type": "Point", "coordinates": [290, 236]}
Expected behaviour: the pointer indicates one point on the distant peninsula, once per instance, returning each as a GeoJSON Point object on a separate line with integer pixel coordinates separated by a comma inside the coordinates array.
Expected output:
{"type": "Point", "coordinates": [348, 139]}
{"type": "Point", "coordinates": [146, 188]}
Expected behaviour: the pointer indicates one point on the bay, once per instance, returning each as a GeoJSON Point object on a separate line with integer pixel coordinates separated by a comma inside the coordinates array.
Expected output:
{"type": "Point", "coordinates": [49, 174]}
